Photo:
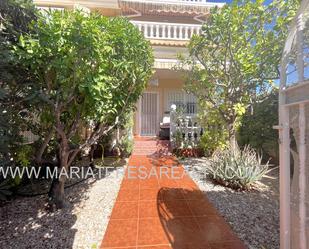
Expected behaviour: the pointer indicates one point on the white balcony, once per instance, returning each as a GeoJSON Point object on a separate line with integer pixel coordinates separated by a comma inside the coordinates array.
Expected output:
{"type": "Point", "coordinates": [177, 2]}
{"type": "Point", "coordinates": [167, 31]}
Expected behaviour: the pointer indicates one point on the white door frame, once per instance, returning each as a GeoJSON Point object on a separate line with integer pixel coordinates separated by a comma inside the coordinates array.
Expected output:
{"type": "Point", "coordinates": [140, 111]}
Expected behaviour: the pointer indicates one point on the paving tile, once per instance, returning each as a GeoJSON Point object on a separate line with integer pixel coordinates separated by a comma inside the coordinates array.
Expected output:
{"type": "Point", "coordinates": [149, 183]}
{"type": "Point", "coordinates": [128, 195]}
{"type": "Point", "coordinates": [193, 194]}
{"type": "Point", "coordinates": [149, 194]}
{"type": "Point", "coordinates": [151, 232]}
{"type": "Point", "coordinates": [168, 183]}
{"type": "Point", "coordinates": [125, 210]}
{"type": "Point", "coordinates": [155, 247]}
{"type": "Point", "coordinates": [215, 229]}
{"type": "Point", "coordinates": [184, 233]}
{"type": "Point", "coordinates": [171, 193]}
{"type": "Point", "coordinates": [193, 245]}
{"type": "Point", "coordinates": [120, 233]}
{"type": "Point", "coordinates": [129, 184]}
{"type": "Point", "coordinates": [174, 208]}
{"type": "Point", "coordinates": [201, 207]}
{"type": "Point", "coordinates": [228, 245]}
{"type": "Point", "coordinates": [148, 209]}
{"type": "Point", "coordinates": [164, 213]}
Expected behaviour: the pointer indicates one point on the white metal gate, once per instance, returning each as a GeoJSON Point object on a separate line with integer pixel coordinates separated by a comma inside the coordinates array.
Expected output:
{"type": "Point", "coordinates": [294, 135]}
{"type": "Point", "coordinates": [149, 114]}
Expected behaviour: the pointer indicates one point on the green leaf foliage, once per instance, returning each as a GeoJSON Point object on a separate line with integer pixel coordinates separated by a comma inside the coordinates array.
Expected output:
{"type": "Point", "coordinates": [89, 64]}
{"type": "Point", "coordinates": [257, 127]}
{"type": "Point", "coordinates": [15, 80]}
{"type": "Point", "coordinates": [235, 60]}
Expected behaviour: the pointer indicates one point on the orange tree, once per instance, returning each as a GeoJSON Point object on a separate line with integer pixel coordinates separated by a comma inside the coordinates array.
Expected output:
{"type": "Point", "coordinates": [89, 69]}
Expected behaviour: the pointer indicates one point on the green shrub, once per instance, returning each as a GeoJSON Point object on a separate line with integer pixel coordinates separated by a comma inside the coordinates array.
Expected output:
{"type": "Point", "coordinates": [126, 145]}
{"type": "Point", "coordinates": [126, 140]}
{"type": "Point", "coordinates": [5, 191]}
{"type": "Point", "coordinates": [257, 127]}
{"type": "Point", "coordinates": [236, 168]}
{"type": "Point", "coordinates": [15, 81]}
{"type": "Point", "coordinates": [213, 139]}
{"type": "Point", "coordinates": [215, 134]}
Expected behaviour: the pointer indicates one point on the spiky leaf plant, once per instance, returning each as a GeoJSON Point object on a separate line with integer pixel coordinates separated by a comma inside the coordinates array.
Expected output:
{"type": "Point", "coordinates": [236, 168]}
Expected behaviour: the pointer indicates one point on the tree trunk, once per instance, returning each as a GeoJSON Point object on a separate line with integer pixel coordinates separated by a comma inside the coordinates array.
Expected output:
{"type": "Point", "coordinates": [43, 147]}
{"type": "Point", "coordinates": [232, 135]}
{"type": "Point", "coordinates": [56, 193]}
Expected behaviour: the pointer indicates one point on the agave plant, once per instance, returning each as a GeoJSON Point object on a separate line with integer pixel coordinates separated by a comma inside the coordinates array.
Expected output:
{"type": "Point", "coordinates": [237, 168]}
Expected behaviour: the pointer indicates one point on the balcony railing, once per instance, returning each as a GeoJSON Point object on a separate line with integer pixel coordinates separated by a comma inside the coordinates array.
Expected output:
{"type": "Point", "coordinates": [176, 2]}
{"type": "Point", "coordinates": [167, 31]}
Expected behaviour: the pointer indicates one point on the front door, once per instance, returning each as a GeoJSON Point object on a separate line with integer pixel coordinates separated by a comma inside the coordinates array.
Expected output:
{"type": "Point", "coordinates": [149, 114]}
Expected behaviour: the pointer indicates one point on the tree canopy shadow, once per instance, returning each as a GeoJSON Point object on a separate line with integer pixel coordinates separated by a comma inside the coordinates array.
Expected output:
{"type": "Point", "coordinates": [27, 222]}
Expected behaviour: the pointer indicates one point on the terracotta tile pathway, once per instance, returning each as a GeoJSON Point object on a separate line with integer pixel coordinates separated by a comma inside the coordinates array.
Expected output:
{"type": "Point", "coordinates": [160, 212]}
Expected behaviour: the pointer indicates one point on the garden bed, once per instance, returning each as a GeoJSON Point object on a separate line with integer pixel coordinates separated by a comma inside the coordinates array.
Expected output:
{"type": "Point", "coordinates": [253, 215]}
{"type": "Point", "coordinates": [26, 223]}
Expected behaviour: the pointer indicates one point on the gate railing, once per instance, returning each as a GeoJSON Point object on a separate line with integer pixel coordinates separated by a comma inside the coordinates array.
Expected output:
{"type": "Point", "coordinates": [167, 31]}
{"type": "Point", "coordinates": [293, 112]}
{"type": "Point", "coordinates": [184, 129]}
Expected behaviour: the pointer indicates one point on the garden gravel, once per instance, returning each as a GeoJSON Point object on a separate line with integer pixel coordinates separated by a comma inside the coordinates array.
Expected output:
{"type": "Point", "coordinates": [253, 215]}
{"type": "Point", "coordinates": [26, 223]}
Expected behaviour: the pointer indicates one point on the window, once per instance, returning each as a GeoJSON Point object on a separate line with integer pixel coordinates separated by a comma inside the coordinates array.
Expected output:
{"type": "Point", "coordinates": [187, 102]}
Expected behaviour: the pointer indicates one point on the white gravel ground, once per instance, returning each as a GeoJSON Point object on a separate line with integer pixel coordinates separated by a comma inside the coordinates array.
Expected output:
{"type": "Point", "coordinates": [25, 223]}
{"type": "Point", "coordinates": [254, 216]}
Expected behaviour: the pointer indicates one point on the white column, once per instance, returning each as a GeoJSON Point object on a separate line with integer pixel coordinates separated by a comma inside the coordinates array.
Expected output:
{"type": "Point", "coordinates": [163, 27]}
{"type": "Point", "coordinates": [302, 176]}
{"type": "Point", "coordinates": [173, 35]}
{"type": "Point", "coordinates": [146, 30]}
{"type": "Point", "coordinates": [186, 32]}
{"type": "Point", "coordinates": [197, 30]}
{"type": "Point", "coordinates": [181, 34]}
{"type": "Point", "coordinates": [191, 32]}
{"type": "Point", "coordinates": [151, 31]}
{"type": "Point", "coordinates": [284, 137]}
{"type": "Point", "coordinates": [157, 31]}
{"type": "Point", "coordinates": [172, 124]}
{"type": "Point", "coordinates": [169, 31]}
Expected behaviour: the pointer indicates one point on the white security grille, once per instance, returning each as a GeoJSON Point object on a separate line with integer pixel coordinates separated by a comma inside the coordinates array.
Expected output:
{"type": "Point", "coordinates": [186, 102]}
{"type": "Point", "coordinates": [149, 114]}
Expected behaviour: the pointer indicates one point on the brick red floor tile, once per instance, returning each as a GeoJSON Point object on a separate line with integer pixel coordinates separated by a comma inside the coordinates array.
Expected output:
{"type": "Point", "coordinates": [175, 208]}
{"type": "Point", "coordinates": [163, 213]}
{"type": "Point", "coordinates": [215, 229]}
{"type": "Point", "coordinates": [128, 195]}
{"type": "Point", "coordinates": [184, 232]}
{"type": "Point", "coordinates": [228, 245]}
{"type": "Point", "coordinates": [130, 184]}
{"type": "Point", "coordinates": [149, 194]}
{"type": "Point", "coordinates": [125, 210]}
{"type": "Point", "coordinates": [155, 247]}
{"type": "Point", "coordinates": [120, 233]}
{"type": "Point", "coordinates": [171, 193]}
{"type": "Point", "coordinates": [148, 209]}
{"type": "Point", "coordinates": [201, 207]}
{"type": "Point", "coordinates": [151, 232]}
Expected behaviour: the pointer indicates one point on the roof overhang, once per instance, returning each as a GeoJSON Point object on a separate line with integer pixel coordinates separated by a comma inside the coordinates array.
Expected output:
{"type": "Point", "coordinates": [168, 6]}
{"type": "Point", "coordinates": [108, 7]}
